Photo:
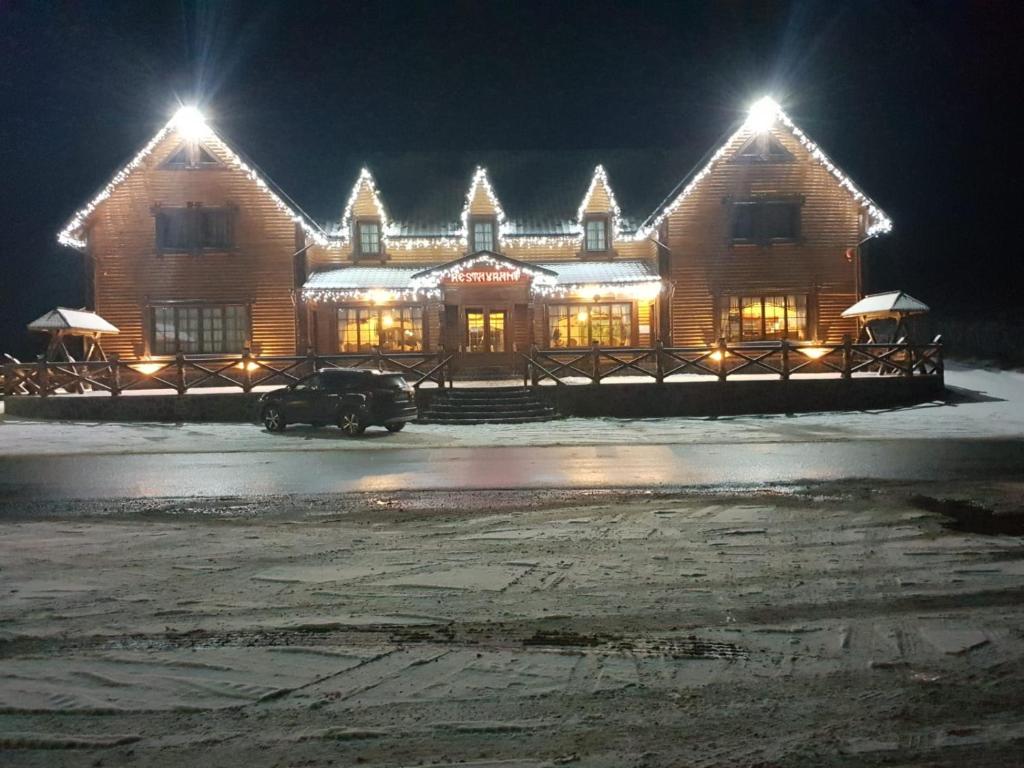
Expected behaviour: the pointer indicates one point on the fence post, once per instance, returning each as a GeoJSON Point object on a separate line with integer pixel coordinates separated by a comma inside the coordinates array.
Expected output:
{"type": "Point", "coordinates": [723, 350]}
{"type": "Point", "coordinates": [246, 373]}
{"type": "Point", "coordinates": [659, 362]}
{"type": "Point", "coordinates": [43, 376]}
{"type": "Point", "coordinates": [179, 361]}
{"type": "Point", "coordinates": [908, 349]}
{"type": "Point", "coordinates": [379, 354]}
{"type": "Point", "coordinates": [534, 378]}
{"type": "Point", "coordinates": [847, 356]}
{"type": "Point", "coordinates": [940, 363]}
{"type": "Point", "coordinates": [115, 375]}
{"type": "Point", "coordinates": [9, 379]}
{"type": "Point", "coordinates": [785, 359]}
{"type": "Point", "coordinates": [595, 362]}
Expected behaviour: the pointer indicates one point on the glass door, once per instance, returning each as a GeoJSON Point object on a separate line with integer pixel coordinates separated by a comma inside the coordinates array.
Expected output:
{"type": "Point", "coordinates": [485, 329]}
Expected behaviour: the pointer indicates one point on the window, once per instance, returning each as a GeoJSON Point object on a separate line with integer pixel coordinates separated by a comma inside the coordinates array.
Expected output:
{"type": "Point", "coordinates": [199, 329]}
{"type": "Point", "coordinates": [483, 236]}
{"type": "Point", "coordinates": [191, 156]}
{"type": "Point", "coordinates": [397, 329]}
{"type": "Point", "coordinates": [597, 235]}
{"type": "Point", "coordinates": [369, 238]}
{"type": "Point", "coordinates": [580, 325]}
{"type": "Point", "coordinates": [765, 221]}
{"type": "Point", "coordinates": [764, 318]}
{"type": "Point", "coordinates": [194, 229]}
{"type": "Point", "coordinates": [763, 148]}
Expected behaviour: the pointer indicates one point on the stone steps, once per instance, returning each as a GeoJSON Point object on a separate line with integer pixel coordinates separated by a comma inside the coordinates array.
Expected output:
{"type": "Point", "coordinates": [486, 405]}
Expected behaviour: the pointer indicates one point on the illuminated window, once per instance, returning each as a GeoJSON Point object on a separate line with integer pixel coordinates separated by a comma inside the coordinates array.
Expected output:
{"type": "Point", "coordinates": [764, 318]}
{"type": "Point", "coordinates": [580, 325]}
{"type": "Point", "coordinates": [369, 238]}
{"type": "Point", "coordinates": [597, 235]}
{"type": "Point", "coordinates": [396, 329]}
{"type": "Point", "coordinates": [483, 235]}
{"type": "Point", "coordinates": [765, 221]}
{"type": "Point", "coordinates": [199, 329]}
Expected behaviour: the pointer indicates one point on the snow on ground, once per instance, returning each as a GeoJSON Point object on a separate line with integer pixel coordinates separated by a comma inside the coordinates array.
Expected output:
{"type": "Point", "coordinates": [696, 631]}
{"type": "Point", "coordinates": [984, 404]}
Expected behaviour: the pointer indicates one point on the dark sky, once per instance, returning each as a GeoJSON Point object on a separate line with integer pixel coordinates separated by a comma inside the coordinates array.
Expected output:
{"type": "Point", "coordinates": [918, 102]}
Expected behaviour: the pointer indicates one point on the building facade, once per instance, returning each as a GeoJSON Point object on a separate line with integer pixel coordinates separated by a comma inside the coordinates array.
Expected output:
{"type": "Point", "coordinates": [191, 248]}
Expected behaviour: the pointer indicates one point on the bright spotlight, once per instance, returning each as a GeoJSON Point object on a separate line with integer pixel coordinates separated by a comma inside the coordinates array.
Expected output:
{"type": "Point", "coordinates": [762, 114]}
{"type": "Point", "coordinates": [190, 123]}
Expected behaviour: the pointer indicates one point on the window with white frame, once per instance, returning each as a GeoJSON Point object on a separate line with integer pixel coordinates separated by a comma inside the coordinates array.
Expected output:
{"type": "Point", "coordinates": [770, 317]}
{"type": "Point", "coordinates": [396, 329]}
{"type": "Point", "coordinates": [369, 238]}
{"type": "Point", "coordinates": [198, 328]}
{"type": "Point", "coordinates": [483, 235]}
{"type": "Point", "coordinates": [194, 228]}
{"type": "Point", "coordinates": [596, 234]}
{"type": "Point", "coordinates": [580, 325]}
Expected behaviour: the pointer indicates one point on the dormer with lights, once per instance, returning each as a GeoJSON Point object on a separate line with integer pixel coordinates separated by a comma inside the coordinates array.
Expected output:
{"type": "Point", "coordinates": [482, 215]}
{"type": "Point", "coordinates": [598, 217]}
{"type": "Point", "coordinates": [365, 221]}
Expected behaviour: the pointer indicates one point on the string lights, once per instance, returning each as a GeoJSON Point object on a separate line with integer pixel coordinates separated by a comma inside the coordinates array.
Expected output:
{"type": "Point", "coordinates": [433, 277]}
{"type": "Point", "coordinates": [189, 123]}
{"type": "Point", "coordinates": [763, 115]}
{"type": "Point", "coordinates": [600, 177]}
{"type": "Point", "coordinates": [371, 295]}
{"type": "Point", "coordinates": [365, 180]}
{"type": "Point", "coordinates": [646, 290]}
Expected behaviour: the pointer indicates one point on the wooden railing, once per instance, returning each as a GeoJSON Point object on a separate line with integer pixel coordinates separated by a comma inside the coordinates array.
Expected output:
{"type": "Point", "coordinates": [780, 359]}
{"type": "Point", "coordinates": [183, 373]}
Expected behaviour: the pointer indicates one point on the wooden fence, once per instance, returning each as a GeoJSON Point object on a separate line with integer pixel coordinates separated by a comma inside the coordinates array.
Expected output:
{"type": "Point", "coordinates": [780, 359]}
{"type": "Point", "coordinates": [182, 373]}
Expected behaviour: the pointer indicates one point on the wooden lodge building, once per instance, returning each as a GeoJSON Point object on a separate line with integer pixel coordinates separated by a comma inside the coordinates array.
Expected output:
{"type": "Point", "coordinates": [191, 248]}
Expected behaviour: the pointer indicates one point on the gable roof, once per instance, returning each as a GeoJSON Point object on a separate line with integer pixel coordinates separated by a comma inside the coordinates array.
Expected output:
{"type": "Point", "coordinates": [889, 303]}
{"type": "Point", "coordinates": [188, 122]}
{"type": "Point", "coordinates": [765, 114]}
{"type": "Point", "coordinates": [75, 321]}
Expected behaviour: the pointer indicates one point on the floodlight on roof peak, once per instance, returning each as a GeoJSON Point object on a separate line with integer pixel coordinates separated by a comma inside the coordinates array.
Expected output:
{"type": "Point", "coordinates": [762, 114]}
{"type": "Point", "coordinates": [190, 122]}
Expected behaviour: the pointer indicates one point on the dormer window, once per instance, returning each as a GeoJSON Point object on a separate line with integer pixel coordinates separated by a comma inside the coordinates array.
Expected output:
{"type": "Point", "coordinates": [482, 235]}
{"type": "Point", "coordinates": [369, 238]}
{"type": "Point", "coordinates": [596, 232]}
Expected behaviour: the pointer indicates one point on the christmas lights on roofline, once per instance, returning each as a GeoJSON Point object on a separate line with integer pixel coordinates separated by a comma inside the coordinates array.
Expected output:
{"type": "Point", "coordinates": [600, 177]}
{"type": "Point", "coordinates": [190, 124]}
{"type": "Point", "coordinates": [762, 116]}
{"type": "Point", "coordinates": [453, 271]}
{"type": "Point", "coordinates": [365, 180]}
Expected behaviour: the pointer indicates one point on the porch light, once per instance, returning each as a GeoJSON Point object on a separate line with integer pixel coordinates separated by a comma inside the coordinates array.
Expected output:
{"type": "Point", "coordinates": [251, 366]}
{"type": "Point", "coordinates": [814, 352]}
{"type": "Point", "coordinates": [717, 355]}
{"type": "Point", "coordinates": [148, 369]}
{"type": "Point", "coordinates": [190, 123]}
{"type": "Point", "coordinates": [388, 321]}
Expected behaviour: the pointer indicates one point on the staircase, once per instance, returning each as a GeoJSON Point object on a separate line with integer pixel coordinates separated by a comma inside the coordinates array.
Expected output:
{"type": "Point", "coordinates": [486, 405]}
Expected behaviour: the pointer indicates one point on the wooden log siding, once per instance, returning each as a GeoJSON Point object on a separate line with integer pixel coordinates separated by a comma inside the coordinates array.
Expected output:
{"type": "Point", "coordinates": [704, 264]}
{"type": "Point", "coordinates": [130, 274]}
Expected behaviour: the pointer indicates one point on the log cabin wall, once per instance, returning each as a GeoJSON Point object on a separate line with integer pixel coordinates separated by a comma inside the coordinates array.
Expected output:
{"type": "Point", "coordinates": [706, 267]}
{"type": "Point", "coordinates": [130, 274]}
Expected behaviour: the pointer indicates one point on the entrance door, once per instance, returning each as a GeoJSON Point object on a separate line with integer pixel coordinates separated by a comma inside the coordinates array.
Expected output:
{"type": "Point", "coordinates": [486, 330]}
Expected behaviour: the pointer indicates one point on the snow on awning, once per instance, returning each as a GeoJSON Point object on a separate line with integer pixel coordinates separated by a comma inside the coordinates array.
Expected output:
{"type": "Point", "coordinates": [584, 272]}
{"type": "Point", "coordinates": [72, 321]}
{"type": "Point", "coordinates": [889, 303]}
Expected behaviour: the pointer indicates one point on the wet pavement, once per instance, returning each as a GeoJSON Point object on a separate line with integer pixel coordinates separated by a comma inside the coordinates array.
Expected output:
{"type": "Point", "coordinates": [611, 466]}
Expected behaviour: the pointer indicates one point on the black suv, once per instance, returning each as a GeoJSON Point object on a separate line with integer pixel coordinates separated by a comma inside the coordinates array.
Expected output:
{"type": "Point", "coordinates": [351, 398]}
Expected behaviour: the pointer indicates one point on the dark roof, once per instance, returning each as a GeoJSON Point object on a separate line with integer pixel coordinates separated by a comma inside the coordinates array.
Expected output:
{"type": "Point", "coordinates": [539, 190]}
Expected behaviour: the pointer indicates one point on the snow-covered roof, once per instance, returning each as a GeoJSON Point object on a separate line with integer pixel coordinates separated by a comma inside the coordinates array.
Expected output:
{"type": "Point", "coordinates": [889, 303]}
{"type": "Point", "coordinates": [580, 272]}
{"type": "Point", "coordinates": [73, 320]}
{"type": "Point", "coordinates": [361, 277]}
{"type": "Point", "coordinates": [396, 278]}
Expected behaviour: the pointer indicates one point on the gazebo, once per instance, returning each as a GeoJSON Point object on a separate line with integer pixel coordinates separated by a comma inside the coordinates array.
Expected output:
{"type": "Point", "coordinates": [63, 323]}
{"type": "Point", "coordinates": [891, 305]}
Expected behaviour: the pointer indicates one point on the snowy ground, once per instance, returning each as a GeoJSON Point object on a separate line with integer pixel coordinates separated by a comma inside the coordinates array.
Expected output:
{"type": "Point", "coordinates": [838, 628]}
{"type": "Point", "coordinates": [985, 403]}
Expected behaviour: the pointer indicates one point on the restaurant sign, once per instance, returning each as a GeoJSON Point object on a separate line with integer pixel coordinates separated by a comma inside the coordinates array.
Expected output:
{"type": "Point", "coordinates": [499, 276]}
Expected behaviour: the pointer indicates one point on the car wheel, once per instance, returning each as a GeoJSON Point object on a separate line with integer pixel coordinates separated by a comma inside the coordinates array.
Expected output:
{"type": "Point", "coordinates": [273, 419]}
{"type": "Point", "coordinates": [397, 426]}
{"type": "Point", "coordinates": [351, 423]}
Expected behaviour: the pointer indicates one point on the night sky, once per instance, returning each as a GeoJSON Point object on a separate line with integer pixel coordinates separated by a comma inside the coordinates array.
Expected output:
{"type": "Point", "coordinates": [918, 102]}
